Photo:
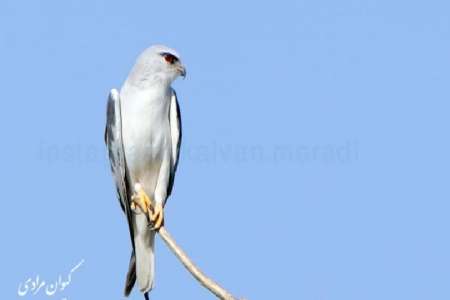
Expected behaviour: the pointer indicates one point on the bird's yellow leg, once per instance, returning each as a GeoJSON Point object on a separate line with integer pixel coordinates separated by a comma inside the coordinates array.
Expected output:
{"type": "Point", "coordinates": [141, 199]}
{"type": "Point", "coordinates": [157, 217]}
{"type": "Point", "coordinates": [155, 212]}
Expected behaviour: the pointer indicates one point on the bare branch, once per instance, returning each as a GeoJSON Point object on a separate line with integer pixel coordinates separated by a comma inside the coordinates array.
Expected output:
{"type": "Point", "coordinates": [204, 280]}
{"type": "Point", "coordinates": [207, 282]}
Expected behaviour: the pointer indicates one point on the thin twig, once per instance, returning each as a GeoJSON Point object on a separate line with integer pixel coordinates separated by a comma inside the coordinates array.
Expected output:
{"type": "Point", "coordinates": [207, 282]}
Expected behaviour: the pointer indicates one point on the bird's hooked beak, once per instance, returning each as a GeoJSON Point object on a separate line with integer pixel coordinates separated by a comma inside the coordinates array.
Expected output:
{"type": "Point", "coordinates": [182, 70]}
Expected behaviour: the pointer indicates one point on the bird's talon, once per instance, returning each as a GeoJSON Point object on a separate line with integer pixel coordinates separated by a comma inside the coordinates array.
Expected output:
{"type": "Point", "coordinates": [155, 213]}
{"type": "Point", "coordinates": [141, 199]}
{"type": "Point", "coordinates": [157, 217]}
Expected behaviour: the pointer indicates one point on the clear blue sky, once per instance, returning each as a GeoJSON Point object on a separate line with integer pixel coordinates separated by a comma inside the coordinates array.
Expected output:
{"type": "Point", "coordinates": [315, 159]}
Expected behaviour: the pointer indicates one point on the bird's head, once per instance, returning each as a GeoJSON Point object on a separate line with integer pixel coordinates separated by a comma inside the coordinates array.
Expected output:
{"type": "Point", "coordinates": [157, 64]}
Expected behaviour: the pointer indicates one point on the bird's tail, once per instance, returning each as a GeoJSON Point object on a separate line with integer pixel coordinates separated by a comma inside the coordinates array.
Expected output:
{"type": "Point", "coordinates": [145, 258]}
{"type": "Point", "coordinates": [146, 270]}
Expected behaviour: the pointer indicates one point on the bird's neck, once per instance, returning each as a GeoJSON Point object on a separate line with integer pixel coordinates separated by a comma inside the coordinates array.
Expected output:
{"type": "Point", "coordinates": [146, 76]}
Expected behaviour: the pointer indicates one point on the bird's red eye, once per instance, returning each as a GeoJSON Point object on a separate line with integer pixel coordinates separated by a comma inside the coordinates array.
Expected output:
{"type": "Point", "coordinates": [169, 58]}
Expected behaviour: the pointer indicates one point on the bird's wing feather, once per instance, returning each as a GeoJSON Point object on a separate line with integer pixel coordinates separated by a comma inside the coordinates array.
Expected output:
{"type": "Point", "coordinates": [114, 143]}
{"type": "Point", "coordinates": [175, 132]}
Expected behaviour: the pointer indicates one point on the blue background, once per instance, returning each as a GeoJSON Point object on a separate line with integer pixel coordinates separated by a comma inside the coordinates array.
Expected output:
{"type": "Point", "coordinates": [315, 159]}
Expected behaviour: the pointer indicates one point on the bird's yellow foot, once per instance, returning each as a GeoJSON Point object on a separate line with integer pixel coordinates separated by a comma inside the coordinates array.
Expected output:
{"type": "Point", "coordinates": [154, 212]}
{"type": "Point", "coordinates": [140, 199]}
{"type": "Point", "coordinates": [157, 217]}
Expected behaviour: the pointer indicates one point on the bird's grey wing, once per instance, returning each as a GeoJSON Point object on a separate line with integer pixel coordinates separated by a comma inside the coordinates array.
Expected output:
{"type": "Point", "coordinates": [175, 132]}
{"type": "Point", "coordinates": [114, 143]}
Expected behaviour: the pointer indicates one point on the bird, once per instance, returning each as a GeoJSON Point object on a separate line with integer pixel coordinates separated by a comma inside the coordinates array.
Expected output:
{"type": "Point", "coordinates": [143, 137]}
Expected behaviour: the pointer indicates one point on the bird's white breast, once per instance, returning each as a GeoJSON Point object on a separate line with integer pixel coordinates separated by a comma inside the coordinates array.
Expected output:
{"type": "Point", "coordinates": [146, 133]}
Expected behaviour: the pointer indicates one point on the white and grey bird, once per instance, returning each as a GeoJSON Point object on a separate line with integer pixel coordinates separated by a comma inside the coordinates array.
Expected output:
{"type": "Point", "coordinates": [143, 136]}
